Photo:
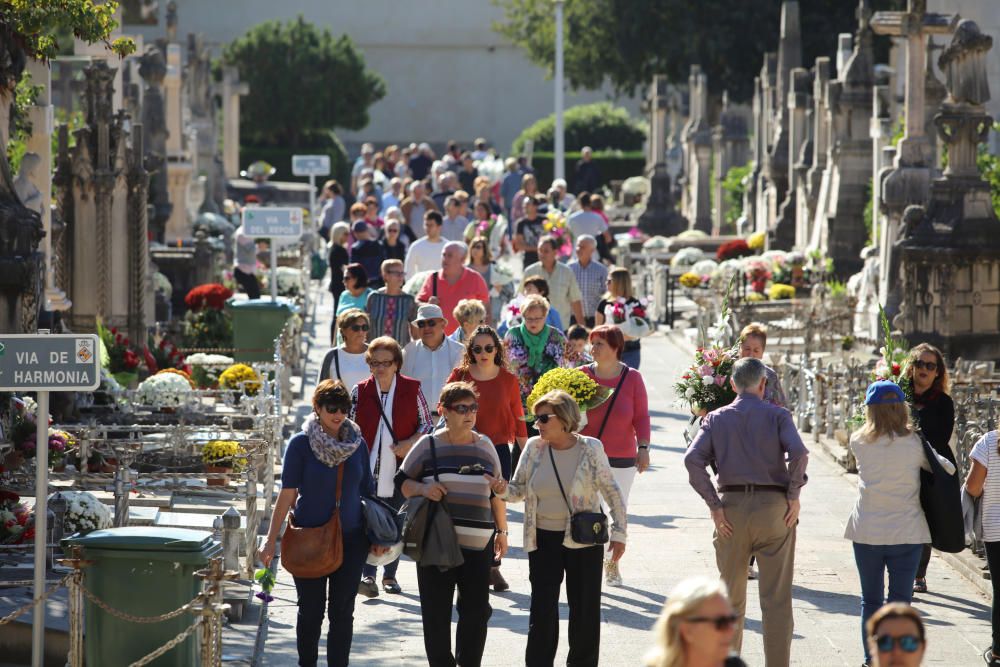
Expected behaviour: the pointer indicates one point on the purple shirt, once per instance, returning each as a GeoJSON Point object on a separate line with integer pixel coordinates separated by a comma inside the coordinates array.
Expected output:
{"type": "Point", "coordinates": [751, 442]}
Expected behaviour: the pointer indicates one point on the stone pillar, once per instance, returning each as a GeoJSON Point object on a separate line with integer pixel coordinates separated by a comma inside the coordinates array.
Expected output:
{"type": "Point", "coordinates": [659, 216]}
{"type": "Point", "coordinates": [731, 145]}
{"type": "Point", "coordinates": [797, 106]}
{"type": "Point", "coordinates": [698, 137]}
{"type": "Point", "coordinates": [789, 57]}
{"type": "Point", "coordinates": [845, 47]}
{"type": "Point", "coordinates": [762, 213]}
{"type": "Point", "coordinates": [153, 69]}
{"type": "Point", "coordinates": [814, 177]}
{"type": "Point", "coordinates": [179, 167]}
{"type": "Point", "coordinates": [232, 90]}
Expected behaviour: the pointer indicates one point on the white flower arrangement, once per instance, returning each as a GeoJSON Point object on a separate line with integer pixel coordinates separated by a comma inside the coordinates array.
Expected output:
{"type": "Point", "coordinates": [203, 359]}
{"type": "Point", "coordinates": [163, 390]}
{"type": "Point", "coordinates": [512, 312]}
{"type": "Point", "coordinates": [631, 318]}
{"type": "Point", "coordinates": [162, 285]}
{"type": "Point", "coordinates": [84, 512]}
{"type": "Point", "coordinates": [289, 281]}
{"type": "Point", "coordinates": [704, 267]}
{"type": "Point", "coordinates": [687, 257]}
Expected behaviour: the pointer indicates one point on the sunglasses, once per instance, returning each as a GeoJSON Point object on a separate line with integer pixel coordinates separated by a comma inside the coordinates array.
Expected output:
{"type": "Point", "coordinates": [334, 409]}
{"type": "Point", "coordinates": [544, 419]}
{"type": "Point", "coordinates": [721, 623]}
{"type": "Point", "coordinates": [426, 324]}
{"type": "Point", "coordinates": [474, 469]}
{"type": "Point", "coordinates": [929, 365]}
{"type": "Point", "coordinates": [479, 349]}
{"type": "Point", "coordinates": [358, 327]}
{"type": "Point", "coordinates": [464, 409]}
{"type": "Point", "coordinates": [907, 643]}
{"type": "Point", "coordinates": [380, 364]}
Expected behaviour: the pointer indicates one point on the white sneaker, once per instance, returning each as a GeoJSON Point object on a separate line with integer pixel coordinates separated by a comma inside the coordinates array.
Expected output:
{"type": "Point", "coordinates": [751, 573]}
{"type": "Point", "coordinates": [612, 575]}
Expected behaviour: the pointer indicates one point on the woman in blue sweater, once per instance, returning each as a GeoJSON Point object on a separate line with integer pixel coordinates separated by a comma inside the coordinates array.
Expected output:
{"type": "Point", "coordinates": [309, 473]}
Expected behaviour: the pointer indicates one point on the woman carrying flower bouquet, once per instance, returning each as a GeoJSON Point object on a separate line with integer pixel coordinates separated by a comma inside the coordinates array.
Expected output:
{"type": "Point", "coordinates": [934, 412]}
{"type": "Point", "coordinates": [615, 307]}
{"type": "Point", "coordinates": [621, 424]}
{"type": "Point", "coordinates": [501, 415]}
{"type": "Point", "coordinates": [753, 341]}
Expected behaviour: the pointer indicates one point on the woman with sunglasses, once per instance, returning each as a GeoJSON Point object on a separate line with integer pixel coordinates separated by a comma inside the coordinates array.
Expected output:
{"type": "Point", "coordinates": [935, 416]}
{"type": "Point", "coordinates": [501, 415]}
{"type": "Point", "coordinates": [696, 627]}
{"type": "Point", "coordinates": [453, 463]}
{"type": "Point", "coordinates": [562, 473]}
{"type": "Point", "coordinates": [896, 637]}
{"type": "Point", "coordinates": [392, 414]}
{"type": "Point", "coordinates": [346, 362]}
{"type": "Point", "coordinates": [356, 289]}
{"type": "Point", "coordinates": [330, 446]}
{"type": "Point", "coordinates": [888, 526]}
{"type": "Point", "coordinates": [393, 246]}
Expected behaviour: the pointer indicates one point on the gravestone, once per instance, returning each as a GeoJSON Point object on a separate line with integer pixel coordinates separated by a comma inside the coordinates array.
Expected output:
{"type": "Point", "coordinates": [179, 167]}
{"type": "Point", "coordinates": [659, 218]}
{"type": "Point", "coordinates": [202, 125]}
{"type": "Point", "coordinates": [731, 148]}
{"type": "Point", "coordinates": [811, 182]}
{"type": "Point", "coordinates": [153, 69]}
{"type": "Point", "coordinates": [231, 90]}
{"type": "Point", "coordinates": [789, 58]}
{"type": "Point", "coordinates": [798, 101]}
{"type": "Point", "coordinates": [698, 154]}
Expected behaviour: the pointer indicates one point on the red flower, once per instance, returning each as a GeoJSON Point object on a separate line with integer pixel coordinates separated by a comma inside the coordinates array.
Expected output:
{"type": "Point", "coordinates": [130, 359]}
{"type": "Point", "coordinates": [639, 311]}
{"type": "Point", "coordinates": [210, 295]}
{"type": "Point", "coordinates": [895, 369]}
{"type": "Point", "coordinates": [151, 364]}
{"type": "Point", "coordinates": [732, 249]}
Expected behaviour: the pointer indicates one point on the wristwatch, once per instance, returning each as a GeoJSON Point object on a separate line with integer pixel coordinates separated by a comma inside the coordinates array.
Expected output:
{"type": "Point", "coordinates": [502, 532]}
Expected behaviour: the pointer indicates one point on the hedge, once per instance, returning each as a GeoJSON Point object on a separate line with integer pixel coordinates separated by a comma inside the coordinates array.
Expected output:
{"type": "Point", "coordinates": [280, 157]}
{"type": "Point", "coordinates": [600, 126]}
{"type": "Point", "coordinates": [613, 166]}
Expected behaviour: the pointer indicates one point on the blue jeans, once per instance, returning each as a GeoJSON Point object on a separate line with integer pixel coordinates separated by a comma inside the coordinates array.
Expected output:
{"type": "Point", "coordinates": [873, 560]}
{"type": "Point", "coordinates": [389, 571]}
{"type": "Point", "coordinates": [631, 357]}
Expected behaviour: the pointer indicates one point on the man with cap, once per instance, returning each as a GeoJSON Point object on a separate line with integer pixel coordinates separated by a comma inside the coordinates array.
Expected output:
{"type": "Point", "coordinates": [454, 282]}
{"type": "Point", "coordinates": [761, 470]}
{"type": "Point", "coordinates": [431, 356]}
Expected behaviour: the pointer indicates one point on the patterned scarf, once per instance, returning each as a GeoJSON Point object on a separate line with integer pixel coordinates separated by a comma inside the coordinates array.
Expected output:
{"type": "Point", "coordinates": [331, 451]}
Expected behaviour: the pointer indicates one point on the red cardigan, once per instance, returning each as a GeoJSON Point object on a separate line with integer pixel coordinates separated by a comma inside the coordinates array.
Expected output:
{"type": "Point", "coordinates": [405, 411]}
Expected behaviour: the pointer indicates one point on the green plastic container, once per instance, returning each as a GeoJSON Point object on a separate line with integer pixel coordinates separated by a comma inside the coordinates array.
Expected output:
{"type": "Point", "coordinates": [256, 323]}
{"type": "Point", "coordinates": [142, 571]}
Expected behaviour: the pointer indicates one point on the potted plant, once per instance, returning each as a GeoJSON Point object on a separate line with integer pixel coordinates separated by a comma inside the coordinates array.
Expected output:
{"type": "Point", "coordinates": [240, 378]}
{"type": "Point", "coordinates": [222, 456]}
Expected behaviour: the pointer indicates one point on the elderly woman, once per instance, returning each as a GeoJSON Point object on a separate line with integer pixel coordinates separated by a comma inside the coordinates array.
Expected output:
{"type": "Point", "coordinates": [620, 289]}
{"type": "Point", "coordinates": [392, 414]}
{"type": "Point", "coordinates": [501, 415]}
{"type": "Point", "coordinates": [455, 461]}
{"type": "Point", "coordinates": [327, 450]}
{"type": "Point", "coordinates": [561, 474]}
{"type": "Point", "coordinates": [390, 308]}
{"type": "Point", "coordinates": [888, 526]}
{"type": "Point", "coordinates": [935, 416]}
{"type": "Point", "coordinates": [529, 189]}
{"type": "Point", "coordinates": [540, 286]}
{"type": "Point", "coordinates": [391, 242]}
{"type": "Point", "coordinates": [695, 627]}
{"type": "Point", "coordinates": [533, 347]}
{"type": "Point", "coordinates": [338, 258]}
{"type": "Point", "coordinates": [753, 341]}
{"type": "Point", "coordinates": [499, 282]}
{"type": "Point", "coordinates": [621, 424]}
{"type": "Point", "coordinates": [347, 362]}
{"type": "Point", "coordinates": [896, 637]}
{"type": "Point", "coordinates": [470, 313]}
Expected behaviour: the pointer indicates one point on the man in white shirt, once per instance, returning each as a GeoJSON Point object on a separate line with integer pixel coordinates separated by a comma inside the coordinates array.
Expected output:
{"type": "Point", "coordinates": [585, 221]}
{"type": "Point", "coordinates": [454, 224]}
{"type": "Point", "coordinates": [433, 356]}
{"type": "Point", "coordinates": [424, 254]}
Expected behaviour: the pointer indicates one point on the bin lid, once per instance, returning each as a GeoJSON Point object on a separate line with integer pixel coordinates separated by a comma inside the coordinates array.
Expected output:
{"type": "Point", "coordinates": [145, 538]}
{"type": "Point", "coordinates": [263, 303]}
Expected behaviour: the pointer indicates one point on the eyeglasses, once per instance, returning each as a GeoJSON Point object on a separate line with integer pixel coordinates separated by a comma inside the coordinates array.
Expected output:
{"type": "Point", "coordinates": [907, 643]}
{"type": "Point", "coordinates": [395, 273]}
{"type": "Point", "coordinates": [929, 365]}
{"type": "Point", "coordinates": [381, 364]}
{"type": "Point", "coordinates": [426, 324]}
{"type": "Point", "coordinates": [334, 409]}
{"type": "Point", "coordinates": [534, 319]}
{"type": "Point", "coordinates": [544, 419]}
{"type": "Point", "coordinates": [464, 409]}
{"type": "Point", "coordinates": [479, 349]}
{"type": "Point", "coordinates": [721, 623]}
{"type": "Point", "coordinates": [358, 327]}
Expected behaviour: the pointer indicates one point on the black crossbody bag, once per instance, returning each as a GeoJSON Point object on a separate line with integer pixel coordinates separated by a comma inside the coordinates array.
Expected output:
{"type": "Point", "coordinates": [584, 527]}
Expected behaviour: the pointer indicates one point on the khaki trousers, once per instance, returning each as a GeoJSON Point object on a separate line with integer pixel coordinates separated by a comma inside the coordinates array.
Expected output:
{"type": "Point", "coordinates": [759, 529]}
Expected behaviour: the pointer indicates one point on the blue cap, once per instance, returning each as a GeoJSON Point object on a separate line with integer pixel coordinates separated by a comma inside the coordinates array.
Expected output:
{"type": "Point", "coordinates": [884, 392]}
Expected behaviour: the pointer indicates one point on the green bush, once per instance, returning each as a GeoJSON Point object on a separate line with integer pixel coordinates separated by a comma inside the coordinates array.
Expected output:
{"type": "Point", "coordinates": [733, 189]}
{"type": "Point", "coordinates": [600, 126]}
{"type": "Point", "coordinates": [613, 165]}
{"type": "Point", "coordinates": [280, 157]}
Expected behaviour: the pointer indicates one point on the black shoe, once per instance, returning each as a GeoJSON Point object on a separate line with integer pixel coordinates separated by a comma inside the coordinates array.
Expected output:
{"type": "Point", "coordinates": [368, 588]}
{"type": "Point", "coordinates": [391, 586]}
{"type": "Point", "coordinates": [991, 658]}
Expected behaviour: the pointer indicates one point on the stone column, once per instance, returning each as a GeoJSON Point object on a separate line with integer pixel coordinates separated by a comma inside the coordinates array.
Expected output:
{"type": "Point", "coordinates": [232, 90]}
{"type": "Point", "coordinates": [814, 177]}
{"type": "Point", "coordinates": [179, 167]}
{"type": "Point", "coordinates": [731, 145]}
{"type": "Point", "coordinates": [659, 216]}
{"type": "Point", "coordinates": [798, 102]}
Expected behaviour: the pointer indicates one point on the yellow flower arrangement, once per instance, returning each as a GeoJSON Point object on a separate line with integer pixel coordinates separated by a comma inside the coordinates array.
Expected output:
{"type": "Point", "coordinates": [779, 291]}
{"type": "Point", "coordinates": [586, 392]}
{"type": "Point", "coordinates": [224, 453]}
{"type": "Point", "coordinates": [690, 280]}
{"type": "Point", "coordinates": [756, 241]}
{"type": "Point", "coordinates": [177, 371]}
{"type": "Point", "coordinates": [240, 377]}
{"type": "Point", "coordinates": [756, 297]}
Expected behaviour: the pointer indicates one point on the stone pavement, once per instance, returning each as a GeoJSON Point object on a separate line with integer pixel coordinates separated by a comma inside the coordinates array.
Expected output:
{"type": "Point", "coordinates": [669, 539]}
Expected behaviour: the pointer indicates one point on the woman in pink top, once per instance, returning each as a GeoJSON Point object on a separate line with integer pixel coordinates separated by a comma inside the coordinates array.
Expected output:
{"type": "Point", "coordinates": [625, 432]}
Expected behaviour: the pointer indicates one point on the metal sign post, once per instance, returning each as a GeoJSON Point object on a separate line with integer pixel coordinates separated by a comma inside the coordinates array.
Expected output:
{"type": "Point", "coordinates": [43, 363]}
{"type": "Point", "coordinates": [311, 166]}
{"type": "Point", "coordinates": [274, 224]}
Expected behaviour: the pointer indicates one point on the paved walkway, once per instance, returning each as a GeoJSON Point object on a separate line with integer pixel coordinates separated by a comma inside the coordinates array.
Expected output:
{"type": "Point", "coordinates": [669, 539]}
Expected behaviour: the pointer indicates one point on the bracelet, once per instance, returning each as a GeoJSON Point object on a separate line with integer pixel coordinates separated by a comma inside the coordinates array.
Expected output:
{"type": "Point", "coordinates": [502, 532]}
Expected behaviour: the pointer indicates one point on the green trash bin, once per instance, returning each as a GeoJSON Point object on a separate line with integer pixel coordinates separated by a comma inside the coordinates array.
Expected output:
{"type": "Point", "coordinates": [256, 323]}
{"type": "Point", "coordinates": [142, 571]}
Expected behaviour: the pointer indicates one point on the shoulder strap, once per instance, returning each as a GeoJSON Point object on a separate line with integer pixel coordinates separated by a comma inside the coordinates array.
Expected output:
{"type": "Point", "coordinates": [434, 283]}
{"type": "Point", "coordinates": [552, 457]}
{"type": "Point", "coordinates": [340, 483]}
{"type": "Point", "coordinates": [324, 371]}
{"type": "Point", "coordinates": [614, 397]}
{"type": "Point", "coordinates": [336, 361]}
{"type": "Point", "coordinates": [434, 460]}
{"type": "Point", "coordinates": [381, 411]}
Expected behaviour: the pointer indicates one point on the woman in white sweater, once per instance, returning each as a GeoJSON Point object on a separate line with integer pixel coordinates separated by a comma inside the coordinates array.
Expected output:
{"type": "Point", "coordinates": [887, 525]}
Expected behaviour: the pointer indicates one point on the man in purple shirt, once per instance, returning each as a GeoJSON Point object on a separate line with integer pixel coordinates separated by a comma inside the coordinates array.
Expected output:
{"type": "Point", "coordinates": [761, 470]}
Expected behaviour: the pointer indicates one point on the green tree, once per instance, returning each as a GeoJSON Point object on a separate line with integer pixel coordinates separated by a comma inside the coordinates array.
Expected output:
{"type": "Point", "coordinates": [599, 125]}
{"type": "Point", "coordinates": [303, 83]}
{"type": "Point", "coordinates": [628, 41]}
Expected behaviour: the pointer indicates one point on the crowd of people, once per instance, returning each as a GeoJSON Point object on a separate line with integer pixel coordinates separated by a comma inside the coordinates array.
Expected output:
{"type": "Point", "coordinates": [424, 393]}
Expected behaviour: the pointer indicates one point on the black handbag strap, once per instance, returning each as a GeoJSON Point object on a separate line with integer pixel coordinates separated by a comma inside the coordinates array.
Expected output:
{"type": "Point", "coordinates": [552, 457]}
{"type": "Point", "coordinates": [336, 361]}
{"type": "Point", "coordinates": [324, 372]}
{"type": "Point", "coordinates": [614, 397]}
{"type": "Point", "coordinates": [381, 411]}
{"type": "Point", "coordinates": [434, 284]}
{"type": "Point", "coordinates": [434, 460]}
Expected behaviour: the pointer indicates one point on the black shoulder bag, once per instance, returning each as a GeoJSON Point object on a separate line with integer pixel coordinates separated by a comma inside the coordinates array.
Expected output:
{"type": "Point", "coordinates": [324, 373]}
{"type": "Point", "coordinates": [941, 499]}
{"type": "Point", "coordinates": [584, 527]}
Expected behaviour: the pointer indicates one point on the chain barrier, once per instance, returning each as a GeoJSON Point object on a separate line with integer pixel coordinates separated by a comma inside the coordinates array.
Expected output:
{"type": "Point", "coordinates": [141, 619]}
{"type": "Point", "coordinates": [150, 657]}
{"type": "Point", "coordinates": [39, 600]}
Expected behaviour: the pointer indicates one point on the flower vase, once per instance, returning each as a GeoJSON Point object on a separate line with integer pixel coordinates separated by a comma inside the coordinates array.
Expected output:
{"type": "Point", "coordinates": [218, 481]}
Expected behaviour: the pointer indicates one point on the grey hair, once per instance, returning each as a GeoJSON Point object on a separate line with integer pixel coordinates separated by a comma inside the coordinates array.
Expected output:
{"type": "Point", "coordinates": [586, 238]}
{"type": "Point", "coordinates": [339, 231]}
{"type": "Point", "coordinates": [455, 244]}
{"type": "Point", "coordinates": [747, 373]}
{"type": "Point", "coordinates": [414, 185]}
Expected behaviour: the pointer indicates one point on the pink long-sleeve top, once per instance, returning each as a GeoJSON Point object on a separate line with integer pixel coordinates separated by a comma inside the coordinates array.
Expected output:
{"type": "Point", "coordinates": [629, 420]}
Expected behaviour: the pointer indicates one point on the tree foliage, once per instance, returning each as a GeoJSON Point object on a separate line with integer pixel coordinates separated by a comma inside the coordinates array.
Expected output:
{"type": "Point", "coordinates": [628, 41]}
{"type": "Point", "coordinates": [599, 125]}
{"type": "Point", "coordinates": [302, 82]}
{"type": "Point", "coordinates": [33, 25]}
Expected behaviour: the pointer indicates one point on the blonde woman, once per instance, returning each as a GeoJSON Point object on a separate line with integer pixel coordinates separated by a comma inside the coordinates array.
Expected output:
{"type": "Point", "coordinates": [620, 287]}
{"type": "Point", "coordinates": [696, 627]}
{"type": "Point", "coordinates": [470, 313]}
{"type": "Point", "coordinates": [887, 526]}
{"type": "Point", "coordinates": [562, 473]}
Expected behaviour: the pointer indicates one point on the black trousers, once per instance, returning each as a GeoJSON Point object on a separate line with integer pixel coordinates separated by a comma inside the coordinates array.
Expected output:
{"type": "Point", "coordinates": [336, 593]}
{"type": "Point", "coordinates": [437, 589]}
{"type": "Point", "coordinates": [993, 561]}
{"type": "Point", "coordinates": [248, 282]}
{"type": "Point", "coordinates": [582, 567]}
{"type": "Point", "coordinates": [925, 560]}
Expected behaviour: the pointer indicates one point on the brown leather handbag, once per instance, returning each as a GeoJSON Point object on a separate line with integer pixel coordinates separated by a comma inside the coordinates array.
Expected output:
{"type": "Point", "coordinates": [311, 553]}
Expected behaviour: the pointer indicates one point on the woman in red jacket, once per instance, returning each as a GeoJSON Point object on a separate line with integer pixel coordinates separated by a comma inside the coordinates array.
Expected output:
{"type": "Point", "coordinates": [625, 431]}
{"type": "Point", "coordinates": [501, 415]}
{"type": "Point", "coordinates": [392, 413]}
